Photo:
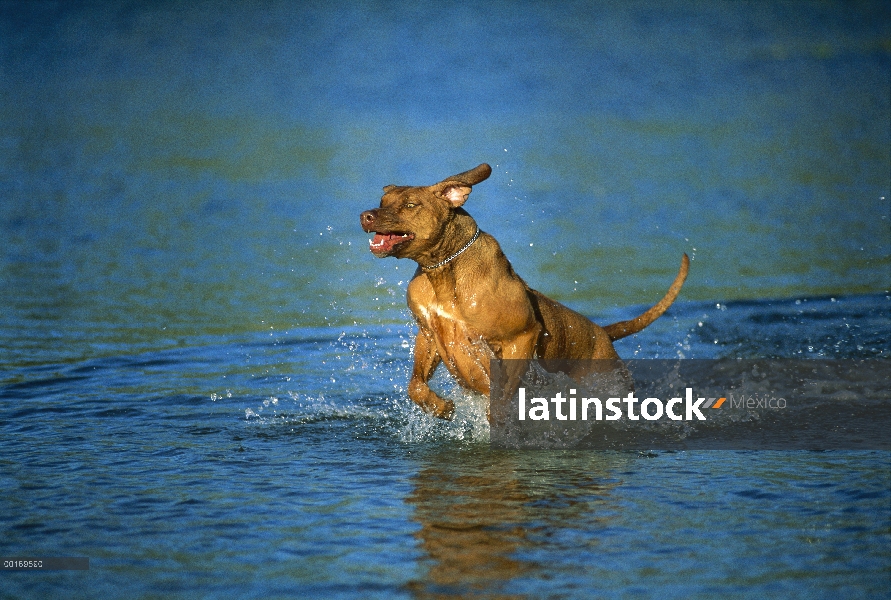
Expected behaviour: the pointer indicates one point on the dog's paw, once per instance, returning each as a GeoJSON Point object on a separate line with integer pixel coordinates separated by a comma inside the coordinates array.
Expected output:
{"type": "Point", "coordinates": [445, 410]}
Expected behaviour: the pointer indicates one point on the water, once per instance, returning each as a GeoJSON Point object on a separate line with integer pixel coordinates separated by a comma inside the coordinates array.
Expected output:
{"type": "Point", "coordinates": [203, 370]}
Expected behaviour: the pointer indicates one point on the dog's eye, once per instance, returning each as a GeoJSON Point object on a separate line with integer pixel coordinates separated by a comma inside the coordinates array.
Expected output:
{"type": "Point", "coordinates": [410, 205]}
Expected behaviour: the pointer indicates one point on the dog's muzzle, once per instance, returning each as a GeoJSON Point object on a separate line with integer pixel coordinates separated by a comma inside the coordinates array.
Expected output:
{"type": "Point", "coordinates": [384, 242]}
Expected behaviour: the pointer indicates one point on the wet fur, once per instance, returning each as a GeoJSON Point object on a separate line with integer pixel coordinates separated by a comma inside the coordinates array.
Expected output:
{"type": "Point", "coordinates": [475, 307]}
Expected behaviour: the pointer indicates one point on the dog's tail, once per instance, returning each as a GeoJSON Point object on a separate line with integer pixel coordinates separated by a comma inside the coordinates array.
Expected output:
{"type": "Point", "coordinates": [617, 331]}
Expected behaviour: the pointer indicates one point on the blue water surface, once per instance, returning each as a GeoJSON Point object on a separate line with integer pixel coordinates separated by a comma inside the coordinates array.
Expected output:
{"type": "Point", "coordinates": [203, 370]}
{"type": "Point", "coordinates": [296, 465]}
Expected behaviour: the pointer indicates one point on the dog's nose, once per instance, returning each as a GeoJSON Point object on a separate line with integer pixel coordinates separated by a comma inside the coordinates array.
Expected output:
{"type": "Point", "coordinates": [367, 219]}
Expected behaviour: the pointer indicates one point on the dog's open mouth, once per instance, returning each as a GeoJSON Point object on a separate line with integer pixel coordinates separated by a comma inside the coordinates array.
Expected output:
{"type": "Point", "coordinates": [385, 242]}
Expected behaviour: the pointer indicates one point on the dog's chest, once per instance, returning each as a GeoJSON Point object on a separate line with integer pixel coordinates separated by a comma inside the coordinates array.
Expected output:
{"type": "Point", "coordinates": [444, 318]}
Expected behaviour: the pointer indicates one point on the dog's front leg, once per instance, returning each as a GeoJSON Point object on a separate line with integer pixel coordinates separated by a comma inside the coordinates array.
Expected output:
{"type": "Point", "coordinates": [426, 361]}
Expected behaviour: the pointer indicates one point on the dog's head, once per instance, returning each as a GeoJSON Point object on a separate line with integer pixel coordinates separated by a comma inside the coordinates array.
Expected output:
{"type": "Point", "coordinates": [411, 220]}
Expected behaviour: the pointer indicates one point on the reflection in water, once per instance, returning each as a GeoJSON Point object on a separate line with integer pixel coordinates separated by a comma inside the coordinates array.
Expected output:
{"type": "Point", "coordinates": [484, 517]}
{"type": "Point", "coordinates": [472, 525]}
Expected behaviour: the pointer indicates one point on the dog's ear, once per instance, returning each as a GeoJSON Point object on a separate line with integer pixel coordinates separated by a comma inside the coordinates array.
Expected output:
{"type": "Point", "coordinates": [454, 192]}
{"type": "Point", "coordinates": [473, 176]}
{"type": "Point", "coordinates": [387, 188]}
{"type": "Point", "coordinates": [457, 188]}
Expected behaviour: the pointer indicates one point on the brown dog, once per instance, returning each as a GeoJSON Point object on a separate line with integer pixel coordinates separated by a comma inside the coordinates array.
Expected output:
{"type": "Point", "coordinates": [469, 303]}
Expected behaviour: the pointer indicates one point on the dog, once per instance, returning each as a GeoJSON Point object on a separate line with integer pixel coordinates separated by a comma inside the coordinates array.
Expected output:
{"type": "Point", "coordinates": [469, 303]}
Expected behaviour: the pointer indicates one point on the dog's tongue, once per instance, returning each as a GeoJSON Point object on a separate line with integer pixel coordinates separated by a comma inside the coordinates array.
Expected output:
{"type": "Point", "coordinates": [384, 241]}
